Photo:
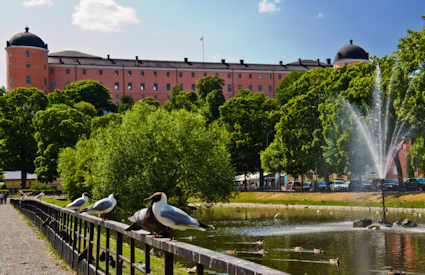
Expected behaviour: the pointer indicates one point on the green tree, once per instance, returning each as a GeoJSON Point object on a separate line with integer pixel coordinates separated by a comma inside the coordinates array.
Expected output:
{"type": "Point", "coordinates": [283, 93]}
{"type": "Point", "coordinates": [17, 109]}
{"type": "Point", "coordinates": [248, 117]}
{"type": "Point", "coordinates": [182, 100]}
{"type": "Point", "coordinates": [57, 127]}
{"type": "Point", "coordinates": [214, 100]}
{"type": "Point", "coordinates": [101, 122]}
{"type": "Point", "coordinates": [92, 92]}
{"type": "Point", "coordinates": [126, 102]}
{"type": "Point", "coordinates": [207, 84]}
{"type": "Point", "coordinates": [149, 101]}
{"type": "Point", "coordinates": [156, 150]}
{"type": "Point", "coordinates": [411, 50]}
{"type": "Point", "coordinates": [2, 91]}
{"type": "Point", "coordinates": [60, 97]}
{"type": "Point", "coordinates": [85, 108]}
{"type": "Point", "coordinates": [74, 168]}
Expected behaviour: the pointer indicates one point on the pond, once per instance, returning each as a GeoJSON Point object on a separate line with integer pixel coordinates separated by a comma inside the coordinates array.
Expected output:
{"type": "Point", "coordinates": [290, 236]}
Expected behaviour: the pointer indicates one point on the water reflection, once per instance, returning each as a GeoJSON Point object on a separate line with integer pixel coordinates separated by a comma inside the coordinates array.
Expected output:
{"type": "Point", "coordinates": [360, 251]}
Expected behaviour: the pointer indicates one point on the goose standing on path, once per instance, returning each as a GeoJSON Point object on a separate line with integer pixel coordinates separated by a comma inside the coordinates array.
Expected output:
{"type": "Point", "coordinates": [102, 207]}
{"type": "Point", "coordinates": [171, 216]}
{"type": "Point", "coordinates": [77, 204]}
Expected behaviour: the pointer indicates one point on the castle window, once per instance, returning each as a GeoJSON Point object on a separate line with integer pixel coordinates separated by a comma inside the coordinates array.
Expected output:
{"type": "Point", "coordinates": [142, 73]}
{"type": "Point", "coordinates": [101, 72]}
{"type": "Point", "coordinates": [260, 88]}
{"type": "Point", "coordinates": [270, 88]}
{"type": "Point", "coordinates": [155, 96]}
{"type": "Point", "coordinates": [168, 86]}
{"type": "Point", "coordinates": [205, 74]}
{"type": "Point", "coordinates": [240, 75]}
{"type": "Point", "coordinates": [116, 72]}
{"type": "Point", "coordinates": [250, 76]}
{"type": "Point", "coordinates": [52, 71]}
{"type": "Point", "coordinates": [155, 74]}
{"type": "Point", "coordinates": [130, 86]}
{"type": "Point", "coordinates": [67, 71]}
{"type": "Point", "coordinates": [142, 86]}
{"type": "Point", "coordinates": [250, 87]}
{"type": "Point", "coordinates": [84, 71]}
{"type": "Point", "coordinates": [180, 74]}
{"type": "Point", "coordinates": [66, 83]}
{"type": "Point", "coordinates": [193, 74]}
{"type": "Point", "coordinates": [45, 81]}
{"type": "Point", "coordinates": [27, 53]}
{"type": "Point", "coordinates": [28, 79]}
{"type": "Point", "coordinates": [270, 76]}
{"type": "Point", "coordinates": [217, 74]}
{"type": "Point", "coordinates": [260, 76]}
{"type": "Point", "coordinates": [168, 74]}
{"type": "Point", "coordinates": [10, 80]}
{"type": "Point", "coordinates": [10, 54]}
{"type": "Point", "coordinates": [193, 87]}
{"type": "Point", "coordinates": [52, 84]}
{"type": "Point", "coordinates": [27, 65]}
{"type": "Point", "coordinates": [116, 86]}
{"type": "Point", "coordinates": [239, 87]}
{"type": "Point", "coordinates": [45, 67]}
{"type": "Point", "coordinates": [279, 77]}
{"type": "Point", "coordinates": [229, 88]}
{"type": "Point", "coordinates": [129, 73]}
{"type": "Point", "coordinates": [117, 96]}
{"type": "Point", "coordinates": [155, 86]}
{"type": "Point", "coordinates": [229, 75]}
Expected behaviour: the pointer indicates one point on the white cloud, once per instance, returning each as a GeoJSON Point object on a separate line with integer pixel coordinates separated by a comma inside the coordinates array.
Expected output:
{"type": "Point", "coordinates": [33, 3]}
{"type": "Point", "coordinates": [264, 6]}
{"type": "Point", "coordinates": [320, 15]}
{"type": "Point", "coordinates": [103, 15]}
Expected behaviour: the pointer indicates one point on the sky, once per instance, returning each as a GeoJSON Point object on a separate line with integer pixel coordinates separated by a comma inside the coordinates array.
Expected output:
{"type": "Point", "coordinates": [258, 31]}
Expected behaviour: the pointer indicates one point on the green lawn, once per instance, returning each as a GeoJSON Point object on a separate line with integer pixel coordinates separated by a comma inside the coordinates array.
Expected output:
{"type": "Point", "coordinates": [414, 200]}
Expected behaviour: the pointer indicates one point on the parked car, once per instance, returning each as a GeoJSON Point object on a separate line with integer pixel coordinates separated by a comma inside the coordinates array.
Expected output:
{"type": "Point", "coordinates": [339, 185]}
{"type": "Point", "coordinates": [307, 186]}
{"type": "Point", "coordinates": [321, 186]}
{"type": "Point", "coordinates": [361, 186]}
{"type": "Point", "coordinates": [391, 185]}
{"type": "Point", "coordinates": [415, 184]}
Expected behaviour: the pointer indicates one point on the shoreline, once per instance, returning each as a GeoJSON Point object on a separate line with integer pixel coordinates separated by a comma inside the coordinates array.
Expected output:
{"type": "Point", "coordinates": [304, 206]}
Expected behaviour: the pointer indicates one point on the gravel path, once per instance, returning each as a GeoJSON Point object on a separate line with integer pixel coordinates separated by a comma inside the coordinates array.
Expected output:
{"type": "Point", "coordinates": [21, 250]}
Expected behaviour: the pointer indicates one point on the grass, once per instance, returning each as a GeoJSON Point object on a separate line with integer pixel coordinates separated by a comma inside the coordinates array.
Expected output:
{"type": "Point", "coordinates": [157, 263]}
{"type": "Point", "coordinates": [409, 200]}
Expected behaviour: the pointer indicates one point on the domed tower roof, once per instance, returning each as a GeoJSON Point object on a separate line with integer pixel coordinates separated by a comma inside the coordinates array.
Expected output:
{"type": "Point", "coordinates": [351, 51]}
{"type": "Point", "coordinates": [26, 39]}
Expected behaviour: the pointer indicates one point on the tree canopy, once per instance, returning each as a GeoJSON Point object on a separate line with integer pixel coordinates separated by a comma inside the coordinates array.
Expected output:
{"type": "Point", "coordinates": [207, 84]}
{"type": "Point", "coordinates": [17, 109]}
{"type": "Point", "coordinates": [89, 91]}
{"type": "Point", "coordinates": [57, 127]}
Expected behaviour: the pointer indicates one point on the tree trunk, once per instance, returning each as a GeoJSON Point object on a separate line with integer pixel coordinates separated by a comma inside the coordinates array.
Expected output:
{"type": "Point", "coordinates": [399, 170]}
{"type": "Point", "coordinates": [23, 178]}
{"type": "Point", "coordinates": [261, 174]}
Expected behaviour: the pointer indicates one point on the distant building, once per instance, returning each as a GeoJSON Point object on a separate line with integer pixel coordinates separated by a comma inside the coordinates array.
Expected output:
{"type": "Point", "coordinates": [12, 179]}
{"type": "Point", "coordinates": [29, 64]}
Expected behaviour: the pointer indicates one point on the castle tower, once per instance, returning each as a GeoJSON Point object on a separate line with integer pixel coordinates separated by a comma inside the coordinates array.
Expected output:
{"type": "Point", "coordinates": [350, 54]}
{"type": "Point", "coordinates": [26, 61]}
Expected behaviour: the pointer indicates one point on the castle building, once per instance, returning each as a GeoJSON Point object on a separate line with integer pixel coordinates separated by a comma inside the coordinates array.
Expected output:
{"type": "Point", "coordinates": [29, 64]}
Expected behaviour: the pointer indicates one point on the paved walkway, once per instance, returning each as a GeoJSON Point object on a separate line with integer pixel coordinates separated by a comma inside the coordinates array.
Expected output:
{"type": "Point", "coordinates": [21, 250]}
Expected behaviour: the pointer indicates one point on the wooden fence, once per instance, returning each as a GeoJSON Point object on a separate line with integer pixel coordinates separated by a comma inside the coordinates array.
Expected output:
{"type": "Point", "coordinates": [71, 233]}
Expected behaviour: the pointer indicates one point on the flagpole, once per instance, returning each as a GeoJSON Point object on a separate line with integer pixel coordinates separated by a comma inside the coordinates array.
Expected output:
{"type": "Point", "coordinates": [203, 48]}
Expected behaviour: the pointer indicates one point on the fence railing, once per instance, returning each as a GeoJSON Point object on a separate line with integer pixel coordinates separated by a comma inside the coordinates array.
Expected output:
{"type": "Point", "coordinates": [91, 245]}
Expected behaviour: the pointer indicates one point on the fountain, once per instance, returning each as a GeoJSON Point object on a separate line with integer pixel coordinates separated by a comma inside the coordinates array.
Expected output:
{"type": "Point", "coordinates": [383, 132]}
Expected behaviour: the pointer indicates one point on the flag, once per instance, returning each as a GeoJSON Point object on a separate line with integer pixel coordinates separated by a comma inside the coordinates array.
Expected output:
{"type": "Point", "coordinates": [202, 38]}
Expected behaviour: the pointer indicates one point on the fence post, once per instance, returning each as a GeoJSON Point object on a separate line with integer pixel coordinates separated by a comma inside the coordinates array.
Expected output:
{"type": "Point", "coordinates": [168, 263]}
{"type": "Point", "coordinates": [119, 254]}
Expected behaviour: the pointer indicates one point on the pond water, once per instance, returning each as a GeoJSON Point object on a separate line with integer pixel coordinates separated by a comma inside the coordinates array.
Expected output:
{"type": "Point", "coordinates": [361, 251]}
